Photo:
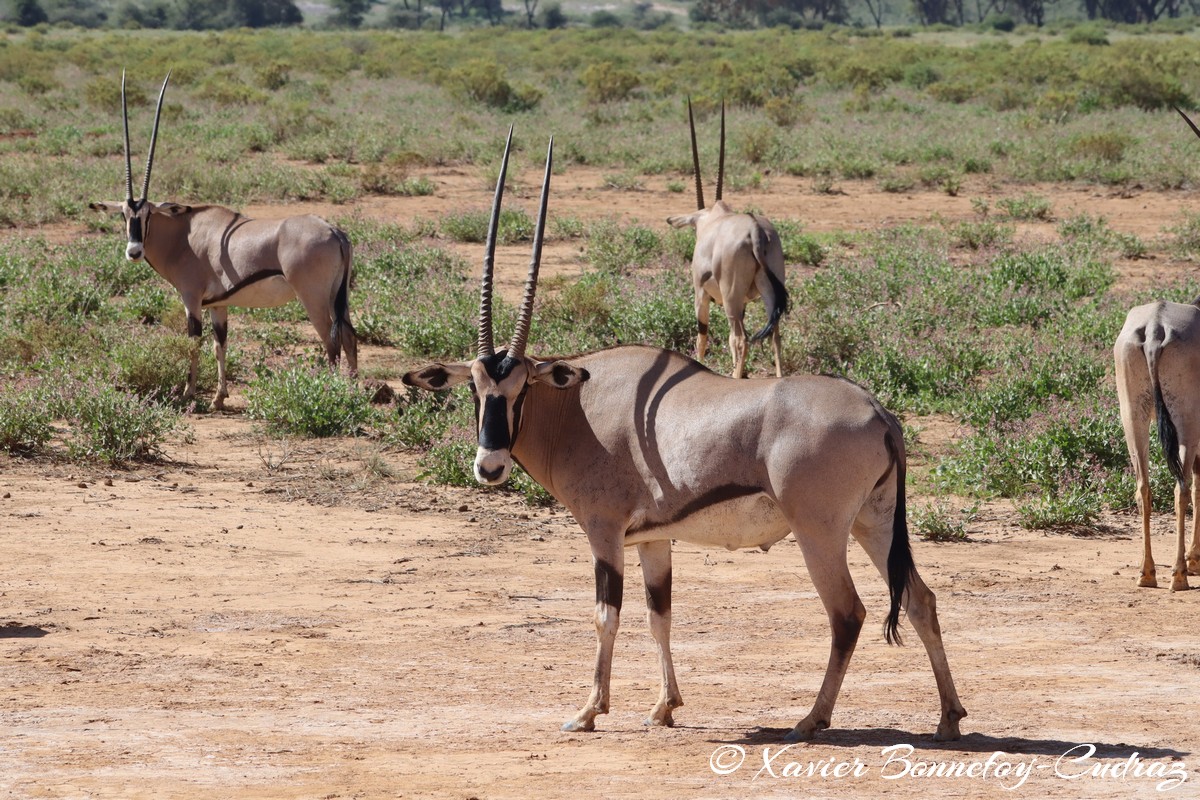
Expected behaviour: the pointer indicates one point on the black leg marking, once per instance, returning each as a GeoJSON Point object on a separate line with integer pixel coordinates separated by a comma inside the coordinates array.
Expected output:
{"type": "Point", "coordinates": [610, 584]}
{"type": "Point", "coordinates": [195, 326]}
{"type": "Point", "coordinates": [220, 333]}
{"type": "Point", "coordinates": [658, 596]}
{"type": "Point", "coordinates": [703, 328]}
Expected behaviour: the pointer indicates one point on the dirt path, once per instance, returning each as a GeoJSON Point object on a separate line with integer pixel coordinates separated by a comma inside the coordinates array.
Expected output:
{"type": "Point", "coordinates": [251, 620]}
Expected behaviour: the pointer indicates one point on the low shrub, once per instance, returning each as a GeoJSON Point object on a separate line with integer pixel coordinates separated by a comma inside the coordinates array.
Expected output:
{"type": "Point", "coordinates": [306, 399]}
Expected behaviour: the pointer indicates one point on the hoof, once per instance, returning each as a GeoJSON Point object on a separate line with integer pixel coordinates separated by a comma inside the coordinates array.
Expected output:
{"type": "Point", "coordinates": [1193, 566]}
{"type": "Point", "coordinates": [804, 731]}
{"type": "Point", "coordinates": [1148, 581]}
{"type": "Point", "coordinates": [947, 732]}
{"type": "Point", "coordinates": [579, 726]}
{"type": "Point", "coordinates": [1179, 583]}
{"type": "Point", "coordinates": [665, 721]}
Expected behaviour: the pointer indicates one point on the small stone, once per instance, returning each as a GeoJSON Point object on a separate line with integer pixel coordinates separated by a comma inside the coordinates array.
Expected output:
{"type": "Point", "coordinates": [464, 507]}
{"type": "Point", "coordinates": [81, 485]}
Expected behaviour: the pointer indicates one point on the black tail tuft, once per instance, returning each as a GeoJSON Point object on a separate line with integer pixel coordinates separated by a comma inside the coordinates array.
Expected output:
{"type": "Point", "coordinates": [1167, 435]}
{"type": "Point", "coordinates": [776, 311]}
{"type": "Point", "coordinates": [341, 305]}
{"type": "Point", "coordinates": [900, 560]}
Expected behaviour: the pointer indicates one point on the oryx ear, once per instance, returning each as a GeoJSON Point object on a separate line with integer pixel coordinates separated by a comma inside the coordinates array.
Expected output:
{"type": "Point", "coordinates": [170, 209]}
{"type": "Point", "coordinates": [436, 377]}
{"type": "Point", "coordinates": [684, 220]}
{"type": "Point", "coordinates": [107, 207]}
{"type": "Point", "coordinates": [558, 374]}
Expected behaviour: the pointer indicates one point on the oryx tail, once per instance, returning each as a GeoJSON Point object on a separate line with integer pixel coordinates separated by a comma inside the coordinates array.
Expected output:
{"type": "Point", "coordinates": [341, 302]}
{"type": "Point", "coordinates": [900, 564]}
{"type": "Point", "coordinates": [1168, 436]}
{"type": "Point", "coordinates": [779, 306]}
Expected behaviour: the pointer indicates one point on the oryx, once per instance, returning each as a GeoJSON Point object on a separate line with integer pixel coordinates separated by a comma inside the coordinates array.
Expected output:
{"type": "Point", "coordinates": [644, 445]}
{"type": "Point", "coordinates": [1157, 356]}
{"type": "Point", "coordinates": [737, 258]}
{"type": "Point", "coordinates": [218, 258]}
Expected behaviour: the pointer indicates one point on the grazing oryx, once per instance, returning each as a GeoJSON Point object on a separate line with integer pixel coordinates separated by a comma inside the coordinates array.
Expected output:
{"type": "Point", "coordinates": [1158, 367]}
{"type": "Point", "coordinates": [738, 257]}
{"type": "Point", "coordinates": [218, 258]}
{"type": "Point", "coordinates": [644, 445]}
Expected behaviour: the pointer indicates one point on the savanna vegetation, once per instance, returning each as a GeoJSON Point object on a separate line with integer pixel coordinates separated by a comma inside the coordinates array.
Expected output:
{"type": "Point", "coordinates": [1009, 339]}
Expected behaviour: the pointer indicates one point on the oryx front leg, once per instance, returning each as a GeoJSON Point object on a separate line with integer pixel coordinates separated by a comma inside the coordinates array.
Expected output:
{"type": "Point", "coordinates": [825, 556]}
{"type": "Point", "coordinates": [610, 580]}
{"type": "Point", "coordinates": [220, 324]}
{"type": "Point", "coordinates": [195, 328]}
{"type": "Point", "coordinates": [656, 570]}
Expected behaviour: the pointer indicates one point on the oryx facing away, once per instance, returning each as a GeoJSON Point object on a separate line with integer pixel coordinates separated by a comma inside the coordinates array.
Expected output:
{"type": "Point", "coordinates": [644, 445]}
{"type": "Point", "coordinates": [737, 258]}
{"type": "Point", "coordinates": [217, 258]}
{"type": "Point", "coordinates": [1157, 357]}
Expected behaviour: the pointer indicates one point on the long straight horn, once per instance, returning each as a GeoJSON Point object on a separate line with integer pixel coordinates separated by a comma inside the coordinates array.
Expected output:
{"type": "Point", "coordinates": [1188, 120]}
{"type": "Point", "coordinates": [721, 159]}
{"type": "Point", "coordinates": [154, 137]}
{"type": "Point", "coordinates": [695, 159]}
{"type": "Point", "coordinates": [521, 335]}
{"type": "Point", "coordinates": [485, 347]}
{"type": "Point", "coordinates": [128, 165]}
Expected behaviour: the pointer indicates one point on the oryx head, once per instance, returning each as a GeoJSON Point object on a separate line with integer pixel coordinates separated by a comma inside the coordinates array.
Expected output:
{"type": "Point", "coordinates": [137, 212]}
{"type": "Point", "coordinates": [500, 380]}
{"type": "Point", "coordinates": [691, 220]}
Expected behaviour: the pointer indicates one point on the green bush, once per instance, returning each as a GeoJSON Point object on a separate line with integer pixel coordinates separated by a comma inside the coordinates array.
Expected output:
{"type": "Point", "coordinates": [304, 399]}
{"type": "Point", "coordinates": [115, 426]}
{"type": "Point", "coordinates": [25, 417]}
{"type": "Point", "coordinates": [605, 82]}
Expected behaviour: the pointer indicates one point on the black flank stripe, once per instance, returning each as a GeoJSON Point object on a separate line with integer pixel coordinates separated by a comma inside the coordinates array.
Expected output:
{"type": "Point", "coordinates": [713, 497]}
{"type": "Point", "coordinates": [255, 278]}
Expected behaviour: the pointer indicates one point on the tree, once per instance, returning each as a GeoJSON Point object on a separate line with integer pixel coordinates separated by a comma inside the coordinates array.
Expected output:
{"type": "Point", "coordinates": [349, 13]}
{"type": "Point", "coordinates": [530, 10]}
{"type": "Point", "coordinates": [28, 13]}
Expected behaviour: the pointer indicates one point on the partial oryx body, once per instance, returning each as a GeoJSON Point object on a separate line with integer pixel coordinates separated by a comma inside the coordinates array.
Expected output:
{"type": "Point", "coordinates": [217, 258]}
{"type": "Point", "coordinates": [1157, 357]}
{"type": "Point", "coordinates": [644, 445]}
{"type": "Point", "coordinates": [738, 257]}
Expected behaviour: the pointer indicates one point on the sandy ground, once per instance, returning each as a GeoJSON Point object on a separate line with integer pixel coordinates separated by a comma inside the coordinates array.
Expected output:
{"type": "Point", "coordinates": [248, 619]}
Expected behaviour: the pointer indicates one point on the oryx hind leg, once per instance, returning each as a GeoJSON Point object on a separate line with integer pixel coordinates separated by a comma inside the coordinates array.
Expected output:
{"type": "Point", "coordinates": [195, 328]}
{"type": "Point", "coordinates": [1183, 491]}
{"type": "Point", "coordinates": [219, 315]}
{"type": "Point", "coordinates": [608, 561]}
{"type": "Point", "coordinates": [703, 304]}
{"type": "Point", "coordinates": [656, 570]}
{"type": "Point", "coordinates": [1132, 373]}
{"type": "Point", "coordinates": [824, 549]}
{"type": "Point", "coordinates": [739, 348]}
{"type": "Point", "coordinates": [319, 306]}
{"type": "Point", "coordinates": [874, 531]}
{"type": "Point", "coordinates": [1193, 556]}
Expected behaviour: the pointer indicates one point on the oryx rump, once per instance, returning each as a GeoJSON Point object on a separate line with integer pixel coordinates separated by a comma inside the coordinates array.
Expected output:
{"type": "Point", "coordinates": [737, 258]}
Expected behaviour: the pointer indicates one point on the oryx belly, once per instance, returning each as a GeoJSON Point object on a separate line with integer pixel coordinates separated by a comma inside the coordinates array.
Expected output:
{"type": "Point", "coordinates": [267, 292]}
{"type": "Point", "coordinates": [753, 520]}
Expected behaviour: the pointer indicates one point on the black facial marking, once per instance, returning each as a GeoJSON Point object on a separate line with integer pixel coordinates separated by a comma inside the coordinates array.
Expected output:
{"type": "Point", "coordinates": [609, 584]}
{"type": "Point", "coordinates": [135, 229]}
{"type": "Point", "coordinates": [493, 428]}
{"type": "Point", "coordinates": [658, 597]}
{"type": "Point", "coordinates": [713, 497]}
{"type": "Point", "coordinates": [255, 278]}
{"type": "Point", "coordinates": [195, 326]}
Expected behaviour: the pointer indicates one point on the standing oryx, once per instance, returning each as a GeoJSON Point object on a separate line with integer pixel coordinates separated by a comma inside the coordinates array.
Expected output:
{"type": "Point", "coordinates": [738, 257]}
{"type": "Point", "coordinates": [1158, 372]}
{"type": "Point", "coordinates": [644, 445]}
{"type": "Point", "coordinates": [218, 258]}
